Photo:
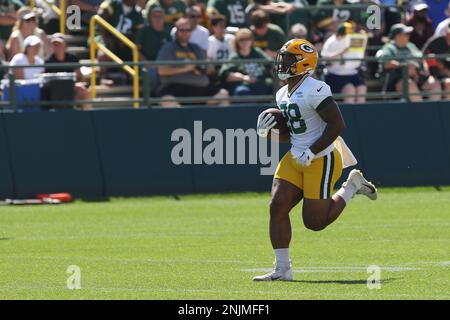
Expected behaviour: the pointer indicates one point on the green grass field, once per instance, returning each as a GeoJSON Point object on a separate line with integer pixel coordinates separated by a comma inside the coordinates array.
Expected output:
{"type": "Point", "coordinates": [210, 246]}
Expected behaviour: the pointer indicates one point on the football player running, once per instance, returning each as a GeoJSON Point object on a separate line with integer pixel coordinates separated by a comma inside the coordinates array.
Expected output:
{"type": "Point", "coordinates": [310, 169]}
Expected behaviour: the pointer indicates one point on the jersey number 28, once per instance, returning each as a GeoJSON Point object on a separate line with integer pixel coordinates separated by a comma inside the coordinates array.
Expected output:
{"type": "Point", "coordinates": [292, 112]}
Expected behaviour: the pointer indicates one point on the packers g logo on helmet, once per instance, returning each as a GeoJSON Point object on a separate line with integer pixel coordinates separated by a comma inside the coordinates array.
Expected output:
{"type": "Point", "coordinates": [296, 58]}
{"type": "Point", "coordinates": [306, 48]}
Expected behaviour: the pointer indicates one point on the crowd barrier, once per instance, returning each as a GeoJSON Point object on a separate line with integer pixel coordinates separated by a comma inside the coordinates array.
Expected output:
{"type": "Point", "coordinates": [125, 152]}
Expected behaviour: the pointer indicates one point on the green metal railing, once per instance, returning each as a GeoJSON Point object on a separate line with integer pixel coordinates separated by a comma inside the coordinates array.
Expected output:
{"type": "Point", "coordinates": [147, 101]}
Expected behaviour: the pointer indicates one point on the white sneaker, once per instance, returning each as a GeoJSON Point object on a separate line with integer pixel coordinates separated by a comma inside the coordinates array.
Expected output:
{"type": "Point", "coordinates": [279, 273]}
{"type": "Point", "coordinates": [362, 186]}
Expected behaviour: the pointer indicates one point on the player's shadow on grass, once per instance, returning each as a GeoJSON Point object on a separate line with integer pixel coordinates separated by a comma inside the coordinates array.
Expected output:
{"type": "Point", "coordinates": [340, 281]}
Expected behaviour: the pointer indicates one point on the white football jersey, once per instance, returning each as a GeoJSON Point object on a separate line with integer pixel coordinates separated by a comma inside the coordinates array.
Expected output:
{"type": "Point", "coordinates": [299, 107]}
{"type": "Point", "coordinates": [220, 50]}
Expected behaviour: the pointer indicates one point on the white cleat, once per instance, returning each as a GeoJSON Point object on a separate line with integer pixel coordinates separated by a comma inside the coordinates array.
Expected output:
{"type": "Point", "coordinates": [363, 186]}
{"type": "Point", "coordinates": [279, 273]}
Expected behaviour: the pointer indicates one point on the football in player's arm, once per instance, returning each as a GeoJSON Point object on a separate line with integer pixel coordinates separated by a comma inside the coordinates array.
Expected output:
{"type": "Point", "coordinates": [317, 156]}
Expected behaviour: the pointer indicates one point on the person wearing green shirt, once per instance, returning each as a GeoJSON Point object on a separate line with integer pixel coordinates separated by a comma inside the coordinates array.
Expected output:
{"type": "Point", "coordinates": [247, 78]}
{"type": "Point", "coordinates": [149, 40]}
{"type": "Point", "coordinates": [233, 10]}
{"type": "Point", "coordinates": [124, 17]}
{"type": "Point", "coordinates": [152, 37]}
{"type": "Point", "coordinates": [337, 13]}
{"type": "Point", "coordinates": [418, 74]}
{"type": "Point", "coordinates": [173, 10]}
{"type": "Point", "coordinates": [278, 11]}
{"type": "Point", "coordinates": [268, 37]}
{"type": "Point", "coordinates": [327, 19]}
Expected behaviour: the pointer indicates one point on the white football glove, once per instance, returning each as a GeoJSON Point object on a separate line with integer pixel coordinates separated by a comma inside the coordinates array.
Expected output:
{"type": "Point", "coordinates": [306, 158]}
{"type": "Point", "coordinates": [266, 121]}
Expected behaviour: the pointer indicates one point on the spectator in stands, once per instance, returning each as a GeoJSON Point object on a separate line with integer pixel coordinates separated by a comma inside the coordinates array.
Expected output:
{"type": "Point", "coordinates": [440, 69]}
{"type": "Point", "coordinates": [423, 26]}
{"type": "Point", "coordinates": [173, 9]}
{"type": "Point", "coordinates": [343, 76]}
{"type": "Point", "coordinates": [48, 18]}
{"type": "Point", "coordinates": [248, 78]}
{"type": "Point", "coordinates": [88, 9]}
{"type": "Point", "coordinates": [123, 15]}
{"type": "Point", "coordinates": [441, 29]}
{"type": "Point", "coordinates": [418, 73]}
{"type": "Point", "coordinates": [327, 20]}
{"type": "Point", "coordinates": [60, 55]}
{"type": "Point", "coordinates": [268, 37]}
{"type": "Point", "coordinates": [199, 34]}
{"type": "Point", "coordinates": [391, 15]}
{"type": "Point", "coordinates": [201, 4]}
{"type": "Point", "coordinates": [152, 37]}
{"type": "Point", "coordinates": [187, 80]}
{"type": "Point", "coordinates": [8, 19]}
{"type": "Point", "coordinates": [298, 31]}
{"type": "Point", "coordinates": [278, 11]}
{"type": "Point", "coordinates": [233, 10]}
{"type": "Point", "coordinates": [26, 26]}
{"type": "Point", "coordinates": [29, 56]}
{"type": "Point", "coordinates": [220, 44]}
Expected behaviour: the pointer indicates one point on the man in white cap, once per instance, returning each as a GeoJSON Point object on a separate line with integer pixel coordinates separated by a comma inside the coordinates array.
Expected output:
{"type": "Point", "coordinates": [30, 56]}
{"type": "Point", "coordinates": [422, 24]}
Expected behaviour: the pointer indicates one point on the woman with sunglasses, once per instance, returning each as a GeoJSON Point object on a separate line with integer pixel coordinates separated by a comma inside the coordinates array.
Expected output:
{"type": "Point", "coordinates": [27, 26]}
{"type": "Point", "coordinates": [247, 78]}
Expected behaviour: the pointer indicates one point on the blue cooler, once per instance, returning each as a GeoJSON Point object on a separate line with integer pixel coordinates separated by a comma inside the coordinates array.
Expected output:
{"type": "Point", "coordinates": [28, 94]}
